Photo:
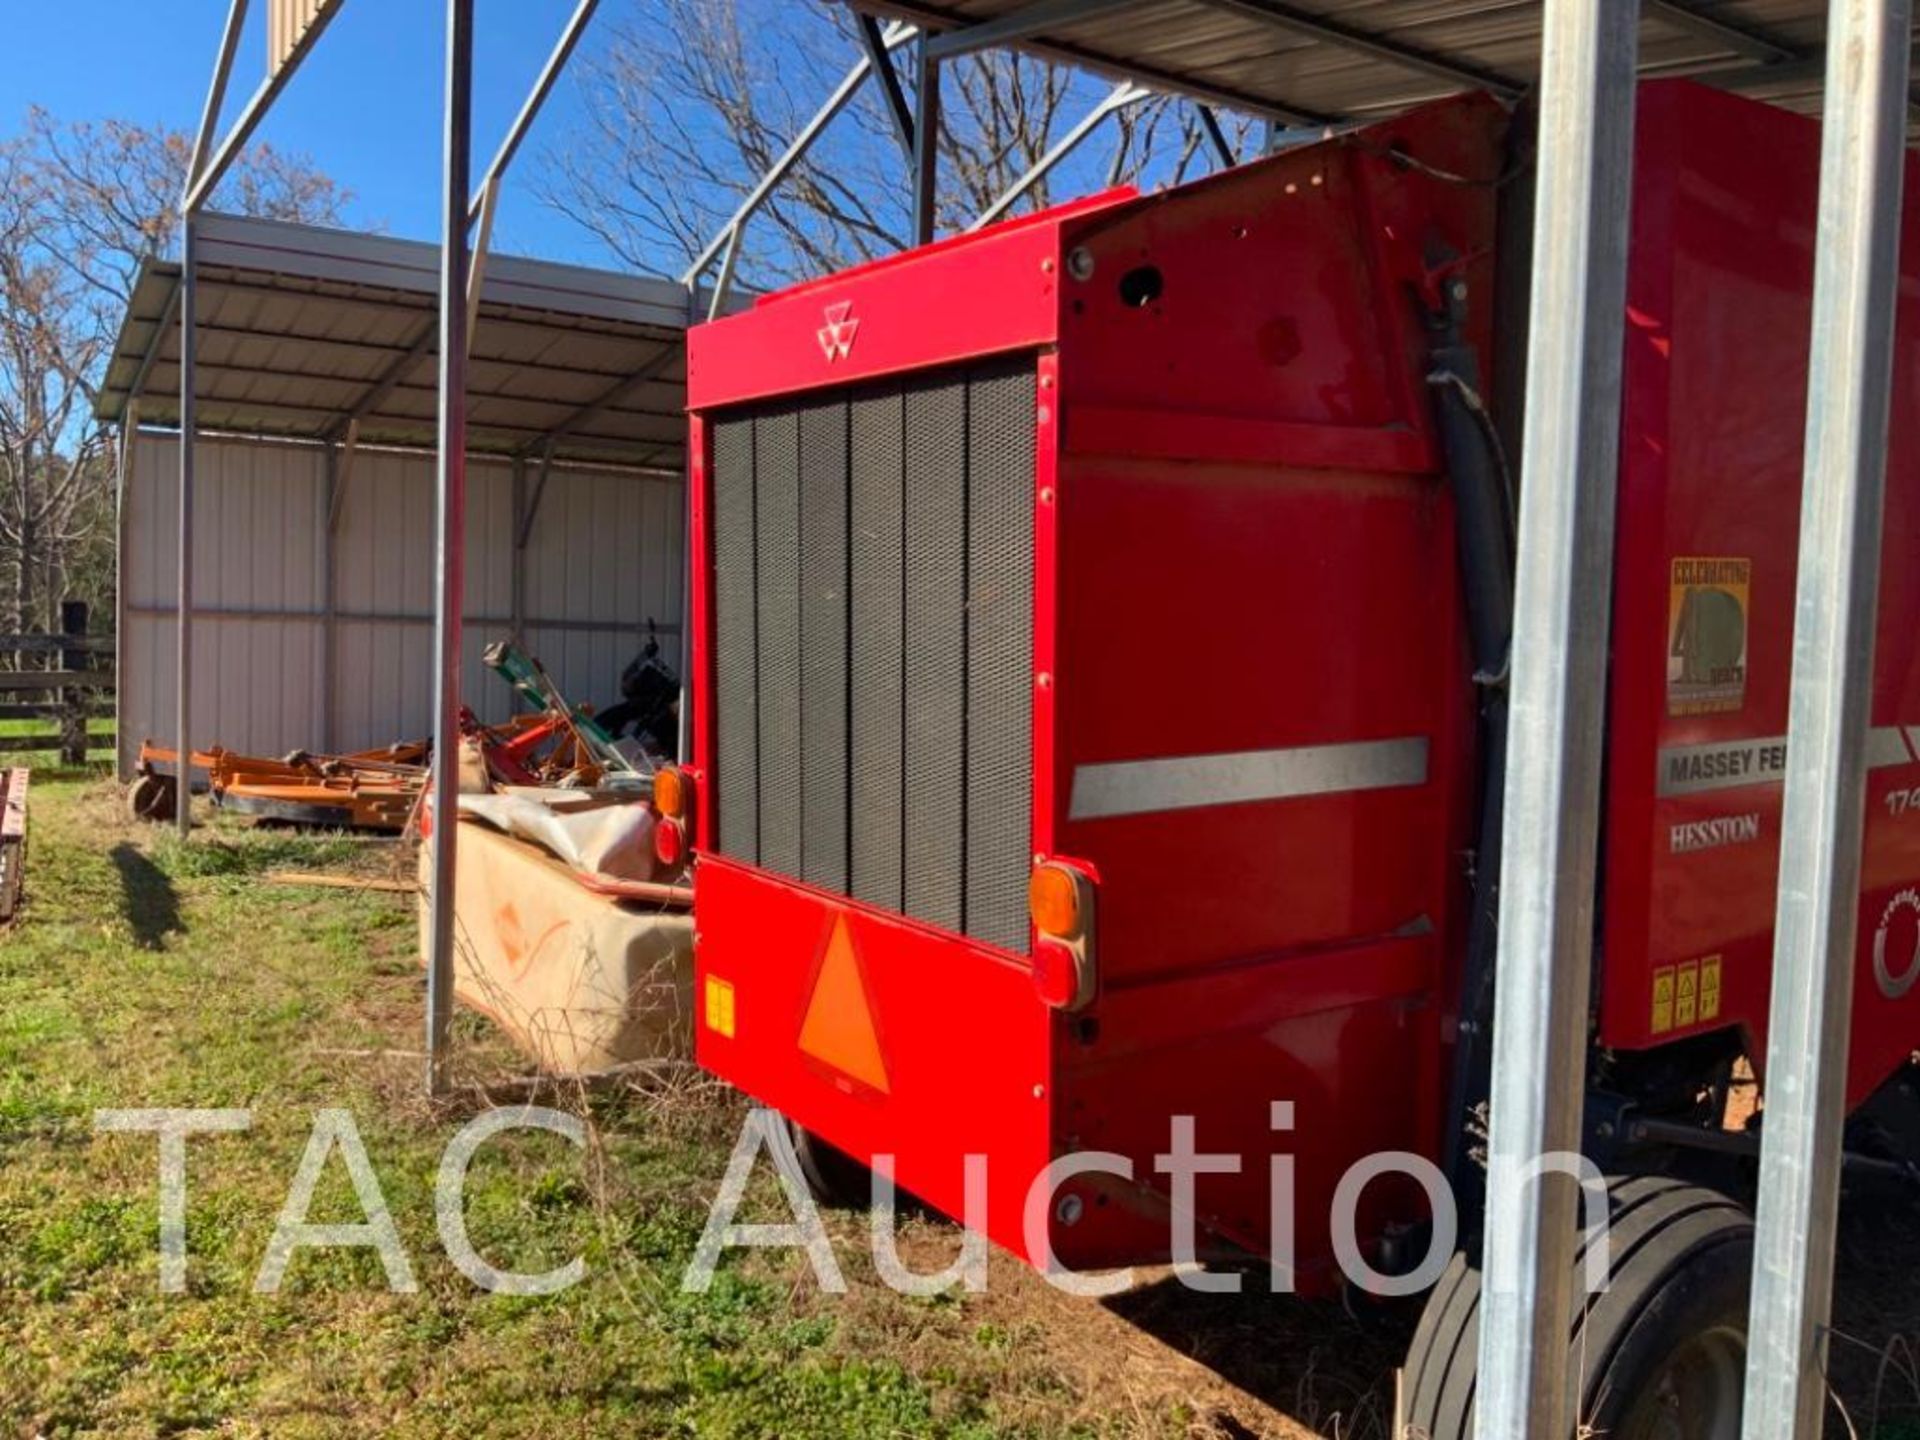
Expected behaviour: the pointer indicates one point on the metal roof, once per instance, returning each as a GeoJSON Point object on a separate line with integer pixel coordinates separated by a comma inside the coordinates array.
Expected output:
{"type": "Point", "coordinates": [302, 330]}
{"type": "Point", "coordinates": [1320, 61]}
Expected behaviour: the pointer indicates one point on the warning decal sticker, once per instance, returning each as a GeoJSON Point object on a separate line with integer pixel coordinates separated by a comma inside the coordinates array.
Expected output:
{"type": "Point", "coordinates": [1685, 994]}
{"type": "Point", "coordinates": [1707, 635]}
{"type": "Point", "coordinates": [1662, 1000]}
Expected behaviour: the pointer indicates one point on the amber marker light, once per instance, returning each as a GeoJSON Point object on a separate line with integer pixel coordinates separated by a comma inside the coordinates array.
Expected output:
{"type": "Point", "coordinates": [670, 792]}
{"type": "Point", "coordinates": [1053, 901]}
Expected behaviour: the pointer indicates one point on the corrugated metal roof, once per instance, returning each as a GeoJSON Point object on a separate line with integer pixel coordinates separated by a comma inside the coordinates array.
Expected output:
{"type": "Point", "coordinates": [1314, 61]}
{"type": "Point", "coordinates": [300, 328]}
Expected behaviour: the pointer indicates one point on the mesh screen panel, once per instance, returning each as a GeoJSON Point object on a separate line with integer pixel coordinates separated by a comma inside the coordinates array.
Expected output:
{"type": "Point", "coordinates": [875, 649]}
{"type": "Point", "coordinates": [776, 446]}
{"type": "Point", "coordinates": [874, 635]}
{"type": "Point", "coordinates": [999, 656]}
{"type": "Point", "coordinates": [736, 771]}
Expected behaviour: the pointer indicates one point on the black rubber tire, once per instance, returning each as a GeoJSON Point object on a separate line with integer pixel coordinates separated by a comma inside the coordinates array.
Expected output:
{"type": "Point", "coordinates": [151, 797]}
{"type": "Point", "coordinates": [831, 1176]}
{"type": "Point", "coordinates": [1665, 1342]}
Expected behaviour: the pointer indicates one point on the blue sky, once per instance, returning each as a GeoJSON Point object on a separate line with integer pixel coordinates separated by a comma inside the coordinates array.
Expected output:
{"type": "Point", "coordinates": [365, 106]}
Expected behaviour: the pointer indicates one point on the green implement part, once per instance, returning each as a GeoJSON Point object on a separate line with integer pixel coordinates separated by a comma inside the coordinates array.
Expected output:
{"type": "Point", "coordinates": [532, 684]}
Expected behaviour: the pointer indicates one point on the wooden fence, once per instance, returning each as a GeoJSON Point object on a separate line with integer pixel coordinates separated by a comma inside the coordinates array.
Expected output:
{"type": "Point", "coordinates": [60, 681]}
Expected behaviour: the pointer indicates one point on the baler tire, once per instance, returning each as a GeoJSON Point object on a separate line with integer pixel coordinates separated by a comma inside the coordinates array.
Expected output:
{"type": "Point", "coordinates": [1664, 1343]}
{"type": "Point", "coordinates": [831, 1176]}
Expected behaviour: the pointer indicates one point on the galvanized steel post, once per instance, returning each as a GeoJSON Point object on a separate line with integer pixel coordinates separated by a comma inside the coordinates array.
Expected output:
{"type": "Point", "coordinates": [450, 566]}
{"type": "Point", "coordinates": [1565, 559]}
{"type": "Point", "coordinates": [183, 626]}
{"type": "Point", "coordinates": [926, 141]}
{"type": "Point", "coordinates": [1850, 367]}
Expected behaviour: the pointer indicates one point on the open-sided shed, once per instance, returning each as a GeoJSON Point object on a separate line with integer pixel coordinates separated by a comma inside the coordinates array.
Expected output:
{"type": "Point", "coordinates": [313, 531]}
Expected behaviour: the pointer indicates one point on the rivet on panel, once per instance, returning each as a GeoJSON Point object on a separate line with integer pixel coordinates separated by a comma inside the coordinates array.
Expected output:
{"type": "Point", "coordinates": [1046, 266]}
{"type": "Point", "coordinates": [1046, 494]}
{"type": "Point", "coordinates": [1044, 680]}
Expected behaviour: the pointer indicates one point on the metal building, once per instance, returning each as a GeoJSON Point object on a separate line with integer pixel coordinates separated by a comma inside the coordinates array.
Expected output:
{"type": "Point", "coordinates": [314, 606]}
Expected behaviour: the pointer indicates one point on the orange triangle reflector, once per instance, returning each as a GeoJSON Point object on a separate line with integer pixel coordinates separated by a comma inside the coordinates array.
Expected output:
{"type": "Point", "coordinates": [838, 1029]}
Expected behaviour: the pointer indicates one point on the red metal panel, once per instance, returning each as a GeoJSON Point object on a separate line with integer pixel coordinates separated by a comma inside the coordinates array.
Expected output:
{"type": "Point", "coordinates": [1720, 299]}
{"type": "Point", "coordinates": [997, 291]}
{"type": "Point", "coordinates": [965, 1037]}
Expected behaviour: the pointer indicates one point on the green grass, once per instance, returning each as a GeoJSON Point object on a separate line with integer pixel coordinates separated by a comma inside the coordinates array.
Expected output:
{"type": "Point", "coordinates": [143, 974]}
{"type": "Point", "coordinates": [101, 728]}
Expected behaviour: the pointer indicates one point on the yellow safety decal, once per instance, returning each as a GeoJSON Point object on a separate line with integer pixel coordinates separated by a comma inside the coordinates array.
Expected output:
{"type": "Point", "coordinates": [719, 1007]}
{"type": "Point", "coordinates": [1663, 1000]}
{"type": "Point", "coordinates": [1710, 988]}
{"type": "Point", "coordinates": [1686, 995]}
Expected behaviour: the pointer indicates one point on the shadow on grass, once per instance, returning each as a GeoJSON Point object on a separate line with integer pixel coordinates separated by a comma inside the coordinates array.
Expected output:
{"type": "Point", "coordinates": [1310, 1360]}
{"type": "Point", "coordinates": [147, 896]}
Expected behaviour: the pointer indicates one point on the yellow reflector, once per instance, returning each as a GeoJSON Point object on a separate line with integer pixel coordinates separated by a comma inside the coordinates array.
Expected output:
{"type": "Point", "coordinates": [670, 792]}
{"type": "Point", "coordinates": [1053, 900]}
{"type": "Point", "coordinates": [720, 1007]}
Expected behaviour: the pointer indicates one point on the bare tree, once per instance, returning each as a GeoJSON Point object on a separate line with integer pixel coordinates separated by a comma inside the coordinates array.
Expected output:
{"type": "Point", "coordinates": [692, 100]}
{"type": "Point", "coordinates": [80, 207]}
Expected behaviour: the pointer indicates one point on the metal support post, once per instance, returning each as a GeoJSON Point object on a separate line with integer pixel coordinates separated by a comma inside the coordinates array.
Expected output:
{"type": "Point", "coordinates": [1216, 137]}
{"type": "Point", "coordinates": [723, 283]}
{"type": "Point", "coordinates": [1123, 95]}
{"type": "Point", "coordinates": [895, 36]}
{"type": "Point", "coordinates": [881, 63]}
{"type": "Point", "coordinates": [1850, 368]}
{"type": "Point", "coordinates": [452, 516]}
{"type": "Point", "coordinates": [183, 612]}
{"type": "Point", "coordinates": [530, 109]}
{"type": "Point", "coordinates": [1565, 559]}
{"type": "Point", "coordinates": [329, 599]}
{"type": "Point", "coordinates": [519, 582]}
{"type": "Point", "coordinates": [926, 141]}
{"type": "Point", "coordinates": [683, 751]}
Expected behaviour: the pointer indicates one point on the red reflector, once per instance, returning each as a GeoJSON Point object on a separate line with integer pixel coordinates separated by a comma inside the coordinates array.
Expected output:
{"type": "Point", "coordinates": [1056, 972]}
{"type": "Point", "coordinates": [669, 844]}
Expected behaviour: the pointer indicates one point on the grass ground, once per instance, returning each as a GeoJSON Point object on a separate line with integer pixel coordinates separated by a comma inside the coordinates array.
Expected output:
{"type": "Point", "coordinates": [143, 974]}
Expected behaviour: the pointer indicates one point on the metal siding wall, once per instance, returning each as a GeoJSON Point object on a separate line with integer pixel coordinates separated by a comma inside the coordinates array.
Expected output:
{"type": "Point", "coordinates": [256, 548]}
{"type": "Point", "coordinates": [603, 548]}
{"type": "Point", "coordinates": [259, 546]}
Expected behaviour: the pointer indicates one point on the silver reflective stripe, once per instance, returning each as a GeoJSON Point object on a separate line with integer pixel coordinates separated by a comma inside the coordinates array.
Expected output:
{"type": "Point", "coordinates": [1185, 782]}
{"type": "Point", "coordinates": [1728, 764]}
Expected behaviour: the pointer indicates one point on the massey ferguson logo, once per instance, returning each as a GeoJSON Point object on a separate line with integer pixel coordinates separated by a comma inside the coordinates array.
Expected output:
{"type": "Point", "coordinates": [836, 336]}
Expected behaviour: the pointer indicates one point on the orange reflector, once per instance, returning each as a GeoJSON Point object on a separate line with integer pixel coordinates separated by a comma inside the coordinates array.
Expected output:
{"type": "Point", "coordinates": [838, 1029]}
{"type": "Point", "coordinates": [670, 792]}
{"type": "Point", "coordinates": [1053, 901]}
